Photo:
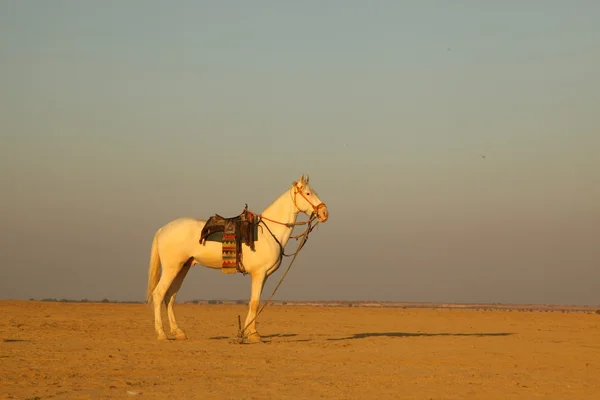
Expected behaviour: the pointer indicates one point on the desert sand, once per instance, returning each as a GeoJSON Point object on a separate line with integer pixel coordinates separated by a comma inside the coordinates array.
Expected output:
{"type": "Point", "coordinates": [104, 351]}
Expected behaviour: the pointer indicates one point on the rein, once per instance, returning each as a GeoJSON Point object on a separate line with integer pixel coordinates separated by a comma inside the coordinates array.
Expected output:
{"type": "Point", "coordinates": [240, 336]}
{"type": "Point", "coordinates": [309, 229]}
{"type": "Point", "coordinates": [304, 236]}
{"type": "Point", "coordinates": [293, 224]}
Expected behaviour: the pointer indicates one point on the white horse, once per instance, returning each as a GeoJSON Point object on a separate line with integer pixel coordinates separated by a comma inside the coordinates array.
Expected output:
{"type": "Point", "coordinates": [176, 248]}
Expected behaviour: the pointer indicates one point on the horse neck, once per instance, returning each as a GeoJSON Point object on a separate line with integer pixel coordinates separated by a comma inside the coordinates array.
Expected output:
{"type": "Point", "coordinates": [284, 211]}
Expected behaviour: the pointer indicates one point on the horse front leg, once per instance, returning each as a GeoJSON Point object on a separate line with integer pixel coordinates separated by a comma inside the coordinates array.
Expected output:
{"type": "Point", "coordinates": [258, 282]}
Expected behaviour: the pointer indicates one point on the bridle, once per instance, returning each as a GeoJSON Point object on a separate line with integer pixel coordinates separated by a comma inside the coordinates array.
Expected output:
{"type": "Point", "coordinates": [309, 228]}
{"type": "Point", "coordinates": [312, 216]}
{"type": "Point", "coordinates": [315, 208]}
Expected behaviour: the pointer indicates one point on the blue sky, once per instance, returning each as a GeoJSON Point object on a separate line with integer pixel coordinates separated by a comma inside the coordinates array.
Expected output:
{"type": "Point", "coordinates": [119, 116]}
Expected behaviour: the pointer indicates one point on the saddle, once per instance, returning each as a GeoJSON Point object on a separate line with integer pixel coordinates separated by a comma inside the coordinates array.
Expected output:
{"type": "Point", "coordinates": [232, 232]}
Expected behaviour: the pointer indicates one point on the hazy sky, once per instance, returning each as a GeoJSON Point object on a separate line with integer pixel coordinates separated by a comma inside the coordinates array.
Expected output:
{"type": "Point", "coordinates": [116, 117]}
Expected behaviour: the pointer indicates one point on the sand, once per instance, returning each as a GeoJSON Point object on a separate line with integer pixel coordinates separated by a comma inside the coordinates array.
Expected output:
{"type": "Point", "coordinates": [104, 351]}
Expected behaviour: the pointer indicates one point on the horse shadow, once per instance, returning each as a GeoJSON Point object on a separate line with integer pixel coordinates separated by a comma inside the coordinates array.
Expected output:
{"type": "Point", "coordinates": [366, 335]}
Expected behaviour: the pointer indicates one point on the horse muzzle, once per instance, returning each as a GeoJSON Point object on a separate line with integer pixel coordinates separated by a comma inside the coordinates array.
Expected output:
{"type": "Point", "coordinates": [322, 212]}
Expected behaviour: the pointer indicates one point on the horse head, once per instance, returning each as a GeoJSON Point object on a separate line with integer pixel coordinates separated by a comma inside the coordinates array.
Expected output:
{"type": "Point", "coordinates": [306, 199]}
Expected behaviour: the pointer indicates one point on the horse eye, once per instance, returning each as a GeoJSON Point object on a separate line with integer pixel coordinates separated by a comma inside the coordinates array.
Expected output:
{"type": "Point", "coordinates": [308, 193]}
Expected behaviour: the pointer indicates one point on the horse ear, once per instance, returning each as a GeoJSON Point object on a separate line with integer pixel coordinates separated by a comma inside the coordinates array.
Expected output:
{"type": "Point", "coordinates": [306, 178]}
{"type": "Point", "coordinates": [301, 178]}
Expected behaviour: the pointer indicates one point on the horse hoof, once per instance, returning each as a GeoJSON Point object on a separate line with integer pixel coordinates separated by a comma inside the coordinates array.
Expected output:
{"type": "Point", "coordinates": [180, 336]}
{"type": "Point", "coordinates": [162, 336]}
{"type": "Point", "coordinates": [253, 338]}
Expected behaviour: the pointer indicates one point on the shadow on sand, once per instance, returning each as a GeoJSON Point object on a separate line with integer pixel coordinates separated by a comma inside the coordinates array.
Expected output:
{"type": "Point", "coordinates": [280, 335]}
{"type": "Point", "coordinates": [220, 337]}
{"type": "Point", "coordinates": [277, 335]}
{"type": "Point", "coordinates": [417, 334]}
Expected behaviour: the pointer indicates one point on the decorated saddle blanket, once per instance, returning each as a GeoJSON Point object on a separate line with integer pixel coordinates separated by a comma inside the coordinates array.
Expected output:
{"type": "Point", "coordinates": [231, 233]}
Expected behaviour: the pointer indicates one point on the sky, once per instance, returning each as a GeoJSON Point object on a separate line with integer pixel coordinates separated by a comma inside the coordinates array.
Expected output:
{"type": "Point", "coordinates": [456, 144]}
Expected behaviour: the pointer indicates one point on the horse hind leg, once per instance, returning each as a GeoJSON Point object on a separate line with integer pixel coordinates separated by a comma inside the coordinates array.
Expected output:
{"type": "Point", "coordinates": [169, 300]}
{"type": "Point", "coordinates": [170, 270]}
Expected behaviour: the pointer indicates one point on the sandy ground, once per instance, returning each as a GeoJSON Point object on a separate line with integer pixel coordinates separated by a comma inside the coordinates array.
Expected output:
{"type": "Point", "coordinates": [101, 351]}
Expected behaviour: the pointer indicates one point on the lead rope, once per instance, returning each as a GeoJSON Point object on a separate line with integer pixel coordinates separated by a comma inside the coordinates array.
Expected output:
{"type": "Point", "coordinates": [309, 228]}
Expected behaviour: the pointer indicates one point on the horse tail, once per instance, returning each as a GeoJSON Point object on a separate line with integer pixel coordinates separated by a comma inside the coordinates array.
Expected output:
{"type": "Point", "coordinates": [153, 268]}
